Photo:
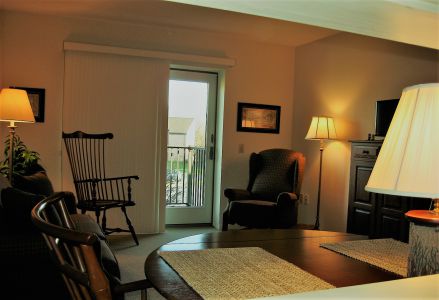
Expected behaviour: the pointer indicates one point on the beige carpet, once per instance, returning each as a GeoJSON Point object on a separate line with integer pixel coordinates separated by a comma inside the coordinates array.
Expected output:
{"type": "Point", "coordinates": [240, 273]}
{"type": "Point", "coordinates": [387, 254]}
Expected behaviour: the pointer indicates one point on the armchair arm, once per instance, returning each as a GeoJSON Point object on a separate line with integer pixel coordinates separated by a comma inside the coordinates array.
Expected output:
{"type": "Point", "coordinates": [285, 198]}
{"type": "Point", "coordinates": [286, 210]}
{"type": "Point", "coordinates": [237, 194]}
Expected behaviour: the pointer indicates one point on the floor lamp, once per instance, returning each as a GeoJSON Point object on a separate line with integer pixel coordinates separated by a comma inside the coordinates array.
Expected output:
{"type": "Point", "coordinates": [14, 107]}
{"type": "Point", "coordinates": [408, 165]}
{"type": "Point", "coordinates": [321, 129]}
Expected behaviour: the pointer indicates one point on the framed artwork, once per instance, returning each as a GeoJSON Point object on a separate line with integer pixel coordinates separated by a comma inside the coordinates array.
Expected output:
{"type": "Point", "coordinates": [258, 118]}
{"type": "Point", "coordinates": [36, 98]}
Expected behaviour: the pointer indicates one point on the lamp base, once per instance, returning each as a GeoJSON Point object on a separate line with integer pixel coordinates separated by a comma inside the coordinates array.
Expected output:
{"type": "Point", "coordinates": [423, 256]}
{"type": "Point", "coordinates": [423, 243]}
{"type": "Point", "coordinates": [11, 151]}
{"type": "Point", "coordinates": [435, 209]}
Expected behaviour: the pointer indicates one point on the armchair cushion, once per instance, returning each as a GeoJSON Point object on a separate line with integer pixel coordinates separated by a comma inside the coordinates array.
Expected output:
{"type": "Point", "coordinates": [85, 223]}
{"type": "Point", "coordinates": [109, 263]}
{"type": "Point", "coordinates": [252, 213]}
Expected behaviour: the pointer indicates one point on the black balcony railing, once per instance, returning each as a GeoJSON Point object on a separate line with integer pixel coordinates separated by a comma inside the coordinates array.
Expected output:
{"type": "Point", "coordinates": [185, 176]}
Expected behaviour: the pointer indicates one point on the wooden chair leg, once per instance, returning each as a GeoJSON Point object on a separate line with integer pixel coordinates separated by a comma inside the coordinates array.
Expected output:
{"type": "Point", "coordinates": [130, 226]}
{"type": "Point", "coordinates": [104, 221]}
{"type": "Point", "coordinates": [98, 215]}
{"type": "Point", "coordinates": [144, 294]}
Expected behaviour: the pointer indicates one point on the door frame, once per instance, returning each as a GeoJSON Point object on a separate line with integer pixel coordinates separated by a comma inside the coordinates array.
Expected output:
{"type": "Point", "coordinates": [212, 113]}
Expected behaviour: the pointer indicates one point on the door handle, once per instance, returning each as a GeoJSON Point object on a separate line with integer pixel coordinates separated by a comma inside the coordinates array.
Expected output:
{"type": "Point", "coordinates": [211, 152]}
{"type": "Point", "coordinates": [212, 148]}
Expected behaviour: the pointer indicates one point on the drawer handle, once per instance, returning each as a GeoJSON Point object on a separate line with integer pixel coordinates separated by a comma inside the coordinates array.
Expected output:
{"type": "Point", "coordinates": [365, 151]}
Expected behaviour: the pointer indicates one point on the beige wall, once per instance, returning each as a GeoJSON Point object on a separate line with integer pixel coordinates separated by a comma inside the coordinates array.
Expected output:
{"type": "Point", "coordinates": [1, 49]}
{"type": "Point", "coordinates": [33, 57]}
{"type": "Point", "coordinates": [342, 76]}
{"type": "Point", "coordinates": [437, 69]}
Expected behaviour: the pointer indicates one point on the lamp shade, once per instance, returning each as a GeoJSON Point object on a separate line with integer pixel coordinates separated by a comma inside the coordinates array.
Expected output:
{"type": "Point", "coordinates": [321, 128]}
{"type": "Point", "coordinates": [408, 162]}
{"type": "Point", "coordinates": [15, 106]}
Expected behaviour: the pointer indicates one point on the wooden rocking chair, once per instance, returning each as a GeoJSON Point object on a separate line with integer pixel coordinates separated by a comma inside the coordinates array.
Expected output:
{"type": "Point", "coordinates": [94, 190]}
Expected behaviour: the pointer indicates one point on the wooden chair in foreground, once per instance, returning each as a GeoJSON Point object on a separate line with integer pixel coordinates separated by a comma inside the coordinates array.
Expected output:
{"type": "Point", "coordinates": [94, 190]}
{"type": "Point", "coordinates": [78, 255]}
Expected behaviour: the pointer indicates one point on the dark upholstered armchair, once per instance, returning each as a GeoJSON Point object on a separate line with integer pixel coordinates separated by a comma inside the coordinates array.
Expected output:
{"type": "Point", "coordinates": [271, 197]}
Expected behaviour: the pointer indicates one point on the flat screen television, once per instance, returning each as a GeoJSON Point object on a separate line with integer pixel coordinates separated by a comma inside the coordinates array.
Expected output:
{"type": "Point", "coordinates": [383, 115]}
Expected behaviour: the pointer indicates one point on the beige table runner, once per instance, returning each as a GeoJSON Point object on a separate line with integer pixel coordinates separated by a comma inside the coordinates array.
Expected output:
{"type": "Point", "coordinates": [240, 273]}
{"type": "Point", "coordinates": [386, 254]}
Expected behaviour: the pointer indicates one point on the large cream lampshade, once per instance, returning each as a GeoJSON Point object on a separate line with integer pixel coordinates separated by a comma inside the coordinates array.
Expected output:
{"type": "Point", "coordinates": [408, 165]}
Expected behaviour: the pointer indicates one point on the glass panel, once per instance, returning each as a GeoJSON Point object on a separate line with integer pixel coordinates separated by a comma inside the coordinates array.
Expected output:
{"type": "Point", "coordinates": [186, 143]}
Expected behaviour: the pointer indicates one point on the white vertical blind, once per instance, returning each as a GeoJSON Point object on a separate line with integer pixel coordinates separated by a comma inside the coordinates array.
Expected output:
{"type": "Point", "coordinates": [127, 96]}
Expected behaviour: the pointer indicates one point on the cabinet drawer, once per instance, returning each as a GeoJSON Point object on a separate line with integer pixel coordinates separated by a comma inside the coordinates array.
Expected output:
{"type": "Point", "coordinates": [365, 151]}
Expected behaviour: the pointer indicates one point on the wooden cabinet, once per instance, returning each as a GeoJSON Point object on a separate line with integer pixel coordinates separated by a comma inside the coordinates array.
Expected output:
{"type": "Point", "coordinates": [375, 215]}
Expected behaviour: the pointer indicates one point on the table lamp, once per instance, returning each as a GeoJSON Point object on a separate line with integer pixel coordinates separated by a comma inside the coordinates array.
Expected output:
{"type": "Point", "coordinates": [321, 128]}
{"type": "Point", "coordinates": [408, 165]}
{"type": "Point", "coordinates": [14, 107]}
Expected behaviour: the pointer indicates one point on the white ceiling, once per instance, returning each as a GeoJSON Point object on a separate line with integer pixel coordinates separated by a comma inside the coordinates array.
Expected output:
{"type": "Point", "coordinates": [156, 12]}
{"type": "Point", "coordinates": [286, 22]}
{"type": "Point", "coordinates": [413, 22]}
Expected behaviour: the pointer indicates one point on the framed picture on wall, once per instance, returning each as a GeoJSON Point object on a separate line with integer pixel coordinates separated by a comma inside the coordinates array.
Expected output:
{"type": "Point", "coordinates": [258, 118]}
{"type": "Point", "coordinates": [36, 98]}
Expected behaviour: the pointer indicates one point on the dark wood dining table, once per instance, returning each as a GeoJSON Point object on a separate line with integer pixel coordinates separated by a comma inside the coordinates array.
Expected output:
{"type": "Point", "coordinates": [300, 247]}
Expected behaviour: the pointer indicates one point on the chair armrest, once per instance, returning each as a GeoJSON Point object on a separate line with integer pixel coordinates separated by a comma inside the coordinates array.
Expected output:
{"type": "Point", "coordinates": [121, 178]}
{"type": "Point", "coordinates": [285, 199]}
{"type": "Point", "coordinates": [237, 194]}
{"type": "Point", "coordinates": [120, 187]}
{"type": "Point", "coordinates": [123, 288]}
{"type": "Point", "coordinates": [108, 179]}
